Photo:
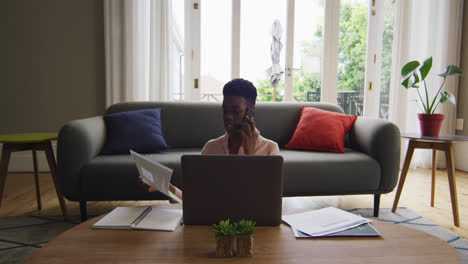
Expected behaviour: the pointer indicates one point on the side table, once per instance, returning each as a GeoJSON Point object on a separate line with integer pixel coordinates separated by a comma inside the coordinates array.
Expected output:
{"type": "Point", "coordinates": [442, 143]}
{"type": "Point", "coordinates": [30, 141]}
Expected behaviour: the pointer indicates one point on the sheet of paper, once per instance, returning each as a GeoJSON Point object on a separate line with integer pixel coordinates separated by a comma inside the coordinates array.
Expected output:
{"type": "Point", "coordinates": [364, 230]}
{"type": "Point", "coordinates": [120, 218]}
{"type": "Point", "coordinates": [153, 173]}
{"type": "Point", "coordinates": [324, 221]}
{"type": "Point", "coordinates": [160, 219]}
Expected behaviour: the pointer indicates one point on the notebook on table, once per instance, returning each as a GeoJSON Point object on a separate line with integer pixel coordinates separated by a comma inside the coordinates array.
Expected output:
{"type": "Point", "coordinates": [219, 187]}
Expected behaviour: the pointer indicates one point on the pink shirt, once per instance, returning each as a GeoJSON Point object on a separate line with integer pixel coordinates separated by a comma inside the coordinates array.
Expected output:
{"type": "Point", "coordinates": [219, 146]}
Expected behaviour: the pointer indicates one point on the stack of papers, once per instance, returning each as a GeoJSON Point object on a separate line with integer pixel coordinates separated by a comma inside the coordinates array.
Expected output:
{"type": "Point", "coordinates": [323, 222]}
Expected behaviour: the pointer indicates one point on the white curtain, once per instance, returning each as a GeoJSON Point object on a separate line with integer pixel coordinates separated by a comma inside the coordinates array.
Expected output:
{"type": "Point", "coordinates": [425, 28]}
{"type": "Point", "coordinates": [138, 47]}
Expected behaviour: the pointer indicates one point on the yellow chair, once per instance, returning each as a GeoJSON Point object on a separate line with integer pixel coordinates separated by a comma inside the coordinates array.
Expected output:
{"type": "Point", "coordinates": [34, 142]}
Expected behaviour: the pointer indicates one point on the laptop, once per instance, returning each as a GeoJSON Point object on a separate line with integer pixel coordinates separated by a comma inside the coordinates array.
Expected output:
{"type": "Point", "coordinates": [219, 187]}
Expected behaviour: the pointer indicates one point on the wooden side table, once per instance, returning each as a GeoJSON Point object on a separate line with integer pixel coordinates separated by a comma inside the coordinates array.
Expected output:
{"type": "Point", "coordinates": [442, 143]}
{"type": "Point", "coordinates": [34, 142]}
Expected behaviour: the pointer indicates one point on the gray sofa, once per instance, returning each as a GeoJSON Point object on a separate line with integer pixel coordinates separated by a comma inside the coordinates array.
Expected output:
{"type": "Point", "coordinates": [369, 164]}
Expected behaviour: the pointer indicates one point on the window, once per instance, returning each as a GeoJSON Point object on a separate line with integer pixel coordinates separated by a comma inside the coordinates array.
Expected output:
{"type": "Point", "coordinates": [327, 54]}
{"type": "Point", "coordinates": [309, 18]}
{"type": "Point", "coordinates": [257, 19]}
{"type": "Point", "coordinates": [215, 45]}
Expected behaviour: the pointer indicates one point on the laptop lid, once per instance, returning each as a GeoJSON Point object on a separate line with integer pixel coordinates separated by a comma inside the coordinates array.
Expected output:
{"type": "Point", "coordinates": [235, 187]}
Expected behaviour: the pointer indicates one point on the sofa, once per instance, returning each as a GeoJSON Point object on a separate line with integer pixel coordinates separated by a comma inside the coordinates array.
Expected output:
{"type": "Point", "coordinates": [369, 164]}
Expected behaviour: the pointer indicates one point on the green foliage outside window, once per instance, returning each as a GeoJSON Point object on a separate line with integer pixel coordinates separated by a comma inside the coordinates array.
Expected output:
{"type": "Point", "coordinates": [351, 58]}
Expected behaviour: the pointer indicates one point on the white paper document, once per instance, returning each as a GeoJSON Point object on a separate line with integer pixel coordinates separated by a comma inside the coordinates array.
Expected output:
{"type": "Point", "coordinates": [154, 174]}
{"type": "Point", "coordinates": [324, 221]}
{"type": "Point", "coordinates": [147, 218]}
{"type": "Point", "coordinates": [364, 230]}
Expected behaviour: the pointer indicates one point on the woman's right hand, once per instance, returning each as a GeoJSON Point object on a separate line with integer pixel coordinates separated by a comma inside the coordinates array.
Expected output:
{"type": "Point", "coordinates": [172, 188]}
{"type": "Point", "coordinates": [145, 187]}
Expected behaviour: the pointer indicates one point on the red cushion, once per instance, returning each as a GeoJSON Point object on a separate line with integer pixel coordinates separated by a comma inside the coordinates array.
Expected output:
{"type": "Point", "coordinates": [321, 130]}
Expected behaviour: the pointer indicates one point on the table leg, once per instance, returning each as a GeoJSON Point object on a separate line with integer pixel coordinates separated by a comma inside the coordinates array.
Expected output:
{"type": "Point", "coordinates": [404, 172]}
{"type": "Point", "coordinates": [452, 182]}
{"type": "Point", "coordinates": [434, 167]}
{"type": "Point", "coordinates": [51, 160]}
{"type": "Point", "coordinates": [6, 152]}
{"type": "Point", "coordinates": [36, 180]}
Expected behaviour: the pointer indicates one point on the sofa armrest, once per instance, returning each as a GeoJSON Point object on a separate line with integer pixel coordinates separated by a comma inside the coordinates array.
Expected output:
{"type": "Point", "coordinates": [79, 141]}
{"type": "Point", "coordinates": [381, 140]}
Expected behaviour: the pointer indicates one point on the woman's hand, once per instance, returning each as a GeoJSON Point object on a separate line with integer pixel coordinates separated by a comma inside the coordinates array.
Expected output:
{"type": "Point", "coordinates": [147, 188]}
{"type": "Point", "coordinates": [249, 136]}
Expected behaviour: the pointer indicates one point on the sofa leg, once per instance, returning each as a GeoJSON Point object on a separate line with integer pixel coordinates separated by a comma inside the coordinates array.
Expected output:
{"type": "Point", "coordinates": [376, 205]}
{"type": "Point", "coordinates": [83, 211]}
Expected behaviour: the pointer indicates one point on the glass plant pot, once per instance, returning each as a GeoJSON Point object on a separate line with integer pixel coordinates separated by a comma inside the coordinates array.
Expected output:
{"type": "Point", "coordinates": [245, 245]}
{"type": "Point", "coordinates": [225, 246]}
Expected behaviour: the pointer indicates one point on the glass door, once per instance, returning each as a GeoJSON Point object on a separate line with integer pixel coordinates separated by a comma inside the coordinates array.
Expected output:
{"type": "Point", "coordinates": [257, 18]}
{"type": "Point", "coordinates": [309, 17]}
{"type": "Point", "coordinates": [352, 55]}
{"type": "Point", "coordinates": [215, 48]}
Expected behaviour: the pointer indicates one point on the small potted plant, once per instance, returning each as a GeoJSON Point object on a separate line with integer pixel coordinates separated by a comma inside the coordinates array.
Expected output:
{"type": "Point", "coordinates": [413, 74]}
{"type": "Point", "coordinates": [225, 238]}
{"type": "Point", "coordinates": [245, 230]}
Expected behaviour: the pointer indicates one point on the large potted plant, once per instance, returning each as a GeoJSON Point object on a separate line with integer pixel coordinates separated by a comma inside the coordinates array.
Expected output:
{"type": "Point", "coordinates": [413, 75]}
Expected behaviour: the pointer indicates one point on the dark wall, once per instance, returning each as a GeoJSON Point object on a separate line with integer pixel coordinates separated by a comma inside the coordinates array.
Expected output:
{"type": "Point", "coordinates": [52, 63]}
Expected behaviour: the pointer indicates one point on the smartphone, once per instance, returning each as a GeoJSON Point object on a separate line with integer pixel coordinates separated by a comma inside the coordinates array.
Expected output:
{"type": "Point", "coordinates": [250, 113]}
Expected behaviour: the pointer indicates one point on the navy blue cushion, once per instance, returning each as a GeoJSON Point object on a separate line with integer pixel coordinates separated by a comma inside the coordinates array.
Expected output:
{"type": "Point", "coordinates": [138, 130]}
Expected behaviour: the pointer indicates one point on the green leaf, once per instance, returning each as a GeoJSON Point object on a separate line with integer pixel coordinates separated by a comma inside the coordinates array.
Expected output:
{"type": "Point", "coordinates": [425, 68]}
{"type": "Point", "coordinates": [445, 95]}
{"type": "Point", "coordinates": [443, 99]}
{"type": "Point", "coordinates": [416, 80]}
{"type": "Point", "coordinates": [405, 82]}
{"type": "Point", "coordinates": [451, 70]}
{"type": "Point", "coordinates": [224, 228]}
{"type": "Point", "coordinates": [409, 68]}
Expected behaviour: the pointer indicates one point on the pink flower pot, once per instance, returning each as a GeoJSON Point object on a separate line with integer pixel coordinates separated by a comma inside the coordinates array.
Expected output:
{"type": "Point", "coordinates": [430, 124]}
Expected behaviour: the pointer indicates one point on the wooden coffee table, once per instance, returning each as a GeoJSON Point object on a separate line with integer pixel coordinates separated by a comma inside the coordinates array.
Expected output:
{"type": "Point", "coordinates": [196, 244]}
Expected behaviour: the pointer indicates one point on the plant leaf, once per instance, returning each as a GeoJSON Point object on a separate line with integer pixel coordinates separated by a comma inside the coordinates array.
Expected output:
{"type": "Point", "coordinates": [409, 68]}
{"type": "Point", "coordinates": [425, 68]}
{"type": "Point", "coordinates": [445, 95]}
{"type": "Point", "coordinates": [416, 80]}
{"type": "Point", "coordinates": [451, 70]}
{"type": "Point", "coordinates": [405, 82]}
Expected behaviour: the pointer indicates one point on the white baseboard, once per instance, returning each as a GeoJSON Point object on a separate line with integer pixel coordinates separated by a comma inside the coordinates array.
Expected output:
{"type": "Point", "coordinates": [22, 161]}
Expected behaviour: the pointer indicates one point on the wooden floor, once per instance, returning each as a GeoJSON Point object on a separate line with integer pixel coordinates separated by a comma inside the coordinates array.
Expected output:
{"type": "Point", "coordinates": [20, 199]}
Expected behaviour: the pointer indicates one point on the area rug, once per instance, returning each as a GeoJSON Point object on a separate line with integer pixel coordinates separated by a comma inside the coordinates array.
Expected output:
{"type": "Point", "coordinates": [404, 216]}
{"type": "Point", "coordinates": [21, 236]}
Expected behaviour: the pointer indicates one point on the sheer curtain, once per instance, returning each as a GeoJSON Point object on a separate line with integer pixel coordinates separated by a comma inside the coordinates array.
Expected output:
{"type": "Point", "coordinates": [425, 28]}
{"type": "Point", "coordinates": [138, 47]}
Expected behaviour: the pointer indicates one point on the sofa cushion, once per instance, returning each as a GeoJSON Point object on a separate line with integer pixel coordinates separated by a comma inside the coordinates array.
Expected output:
{"type": "Point", "coordinates": [305, 173]}
{"type": "Point", "coordinates": [321, 130]}
{"type": "Point", "coordinates": [324, 173]}
{"type": "Point", "coordinates": [138, 130]}
{"type": "Point", "coordinates": [118, 174]}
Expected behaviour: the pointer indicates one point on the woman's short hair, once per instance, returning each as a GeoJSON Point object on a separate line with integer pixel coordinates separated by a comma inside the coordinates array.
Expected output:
{"type": "Point", "coordinates": [241, 87]}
